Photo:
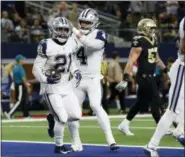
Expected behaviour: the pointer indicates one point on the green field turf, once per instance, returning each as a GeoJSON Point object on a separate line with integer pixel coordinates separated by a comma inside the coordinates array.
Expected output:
{"type": "Point", "coordinates": [90, 132]}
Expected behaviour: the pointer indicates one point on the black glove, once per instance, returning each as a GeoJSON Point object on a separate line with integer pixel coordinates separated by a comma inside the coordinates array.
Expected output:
{"type": "Point", "coordinates": [165, 70]}
{"type": "Point", "coordinates": [53, 76]}
{"type": "Point", "coordinates": [52, 80]}
{"type": "Point", "coordinates": [126, 77]}
{"type": "Point", "coordinates": [77, 75]}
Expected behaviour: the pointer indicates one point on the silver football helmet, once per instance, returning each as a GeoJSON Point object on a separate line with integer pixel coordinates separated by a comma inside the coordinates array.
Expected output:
{"type": "Point", "coordinates": [88, 20]}
{"type": "Point", "coordinates": [60, 29]}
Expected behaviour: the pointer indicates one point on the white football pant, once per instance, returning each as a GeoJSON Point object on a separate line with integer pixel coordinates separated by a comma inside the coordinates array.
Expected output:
{"type": "Point", "coordinates": [64, 108]}
{"type": "Point", "coordinates": [92, 87]}
{"type": "Point", "coordinates": [175, 111]}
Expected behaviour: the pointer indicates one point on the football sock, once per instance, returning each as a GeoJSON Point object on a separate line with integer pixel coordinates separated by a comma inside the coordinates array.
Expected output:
{"type": "Point", "coordinates": [74, 132]}
{"type": "Point", "coordinates": [104, 122]}
{"type": "Point", "coordinates": [59, 133]}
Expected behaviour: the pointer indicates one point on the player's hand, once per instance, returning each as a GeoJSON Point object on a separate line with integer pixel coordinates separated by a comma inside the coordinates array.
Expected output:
{"type": "Point", "coordinates": [76, 32]}
{"type": "Point", "coordinates": [77, 75]}
{"type": "Point", "coordinates": [121, 86]}
{"type": "Point", "coordinates": [53, 76]}
{"type": "Point", "coordinates": [52, 80]}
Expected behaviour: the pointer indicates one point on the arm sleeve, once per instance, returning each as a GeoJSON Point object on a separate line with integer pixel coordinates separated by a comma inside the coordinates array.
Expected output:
{"type": "Point", "coordinates": [97, 43]}
{"type": "Point", "coordinates": [40, 62]}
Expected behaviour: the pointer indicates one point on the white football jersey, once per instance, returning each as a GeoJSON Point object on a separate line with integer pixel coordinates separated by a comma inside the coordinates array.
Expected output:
{"type": "Point", "coordinates": [90, 53]}
{"type": "Point", "coordinates": [181, 36]}
{"type": "Point", "coordinates": [54, 55]}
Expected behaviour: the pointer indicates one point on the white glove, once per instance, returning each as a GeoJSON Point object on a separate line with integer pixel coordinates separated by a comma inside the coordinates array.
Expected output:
{"type": "Point", "coordinates": [75, 31]}
{"type": "Point", "coordinates": [121, 86]}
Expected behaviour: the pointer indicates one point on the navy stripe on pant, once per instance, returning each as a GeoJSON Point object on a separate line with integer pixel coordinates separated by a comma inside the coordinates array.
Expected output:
{"type": "Point", "coordinates": [177, 88]}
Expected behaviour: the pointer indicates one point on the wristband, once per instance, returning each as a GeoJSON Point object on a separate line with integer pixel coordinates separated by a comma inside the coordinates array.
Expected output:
{"type": "Point", "coordinates": [126, 76]}
{"type": "Point", "coordinates": [165, 70]}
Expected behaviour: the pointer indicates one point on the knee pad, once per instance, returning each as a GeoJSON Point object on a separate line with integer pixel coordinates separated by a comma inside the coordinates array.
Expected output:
{"type": "Point", "coordinates": [61, 119]}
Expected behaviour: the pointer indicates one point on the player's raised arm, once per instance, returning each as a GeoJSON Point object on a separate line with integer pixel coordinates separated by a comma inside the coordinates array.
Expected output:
{"type": "Point", "coordinates": [39, 63]}
{"type": "Point", "coordinates": [96, 43]}
{"type": "Point", "coordinates": [88, 21]}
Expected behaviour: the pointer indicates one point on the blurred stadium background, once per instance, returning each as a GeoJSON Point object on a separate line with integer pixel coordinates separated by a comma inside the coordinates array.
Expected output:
{"type": "Point", "coordinates": [25, 23]}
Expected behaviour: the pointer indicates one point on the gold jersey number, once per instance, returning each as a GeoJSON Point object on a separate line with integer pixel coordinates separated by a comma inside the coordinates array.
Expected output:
{"type": "Point", "coordinates": [152, 55]}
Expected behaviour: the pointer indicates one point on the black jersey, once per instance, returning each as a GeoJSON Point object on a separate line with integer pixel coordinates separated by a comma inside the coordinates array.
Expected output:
{"type": "Point", "coordinates": [147, 58]}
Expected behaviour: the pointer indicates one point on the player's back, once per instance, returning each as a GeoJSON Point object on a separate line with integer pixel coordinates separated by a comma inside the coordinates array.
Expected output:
{"type": "Point", "coordinates": [88, 59]}
{"type": "Point", "coordinates": [147, 59]}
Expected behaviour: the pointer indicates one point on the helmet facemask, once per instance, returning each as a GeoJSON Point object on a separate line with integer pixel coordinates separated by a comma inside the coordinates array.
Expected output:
{"type": "Point", "coordinates": [60, 31]}
{"type": "Point", "coordinates": [85, 26]}
{"type": "Point", "coordinates": [147, 27]}
{"type": "Point", "coordinates": [62, 34]}
{"type": "Point", "coordinates": [88, 21]}
{"type": "Point", "coordinates": [151, 31]}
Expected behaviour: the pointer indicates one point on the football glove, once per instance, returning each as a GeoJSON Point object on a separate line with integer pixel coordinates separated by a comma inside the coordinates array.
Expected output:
{"type": "Point", "coordinates": [77, 75]}
{"type": "Point", "coordinates": [53, 76]}
{"type": "Point", "coordinates": [121, 86]}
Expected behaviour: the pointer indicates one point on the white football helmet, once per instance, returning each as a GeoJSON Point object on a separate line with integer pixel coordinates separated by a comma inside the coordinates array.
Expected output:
{"type": "Point", "coordinates": [60, 29]}
{"type": "Point", "coordinates": [91, 18]}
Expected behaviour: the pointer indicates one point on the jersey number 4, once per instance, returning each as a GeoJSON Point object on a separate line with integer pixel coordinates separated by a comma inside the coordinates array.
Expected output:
{"type": "Point", "coordinates": [81, 56]}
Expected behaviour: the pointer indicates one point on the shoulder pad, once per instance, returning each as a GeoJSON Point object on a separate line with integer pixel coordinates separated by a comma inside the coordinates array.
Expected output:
{"type": "Point", "coordinates": [101, 35]}
{"type": "Point", "coordinates": [137, 37]}
{"type": "Point", "coordinates": [136, 41]}
{"type": "Point", "coordinates": [42, 47]}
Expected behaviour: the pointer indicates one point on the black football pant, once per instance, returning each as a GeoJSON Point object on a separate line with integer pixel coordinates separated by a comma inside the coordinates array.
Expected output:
{"type": "Point", "coordinates": [147, 94]}
{"type": "Point", "coordinates": [21, 100]}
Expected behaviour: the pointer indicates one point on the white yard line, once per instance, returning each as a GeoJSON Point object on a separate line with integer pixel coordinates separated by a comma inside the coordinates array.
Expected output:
{"type": "Point", "coordinates": [90, 144]}
{"type": "Point", "coordinates": [83, 118]}
{"type": "Point", "coordinates": [84, 127]}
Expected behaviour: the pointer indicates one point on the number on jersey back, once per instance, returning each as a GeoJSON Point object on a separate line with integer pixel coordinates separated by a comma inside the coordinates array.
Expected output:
{"type": "Point", "coordinates": [81, 56]}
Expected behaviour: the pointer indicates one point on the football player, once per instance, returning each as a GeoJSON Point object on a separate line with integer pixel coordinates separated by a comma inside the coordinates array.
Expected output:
{"type": "Point", "coordinates": [176, 101]}
{"type": "Point", "coordinates": [89, 56]}
{"type": "Point", "coordinates": [144, 50]}
{"type": "Point", "coordinates": [52, 68]}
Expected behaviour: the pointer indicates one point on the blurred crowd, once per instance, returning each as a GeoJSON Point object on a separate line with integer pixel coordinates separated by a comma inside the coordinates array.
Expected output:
{"type": "Point", "coordinates": [24, 24]}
